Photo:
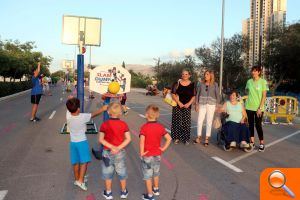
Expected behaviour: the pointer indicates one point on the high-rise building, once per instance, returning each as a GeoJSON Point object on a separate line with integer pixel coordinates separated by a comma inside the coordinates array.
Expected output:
{"type": "Point", "coordinates": [264, 14]}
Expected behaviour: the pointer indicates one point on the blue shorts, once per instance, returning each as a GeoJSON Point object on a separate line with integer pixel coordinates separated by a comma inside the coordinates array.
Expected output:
{"type": "Point", "coordinates": [114, 163]}
{"type": "Point", "coordinates": [151, 166]}
{"type": "Point", "coordinates": [80, 152]}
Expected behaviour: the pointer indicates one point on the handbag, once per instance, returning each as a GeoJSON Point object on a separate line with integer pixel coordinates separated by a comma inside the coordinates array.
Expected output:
{"type": "Point", "coordinates": [217, 122]}
{"type": "Point", "coordinates": [168, 99]}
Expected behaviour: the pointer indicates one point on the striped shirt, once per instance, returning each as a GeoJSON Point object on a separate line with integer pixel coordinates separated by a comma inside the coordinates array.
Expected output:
{"type": "Point", "coordinates": [207, 94]}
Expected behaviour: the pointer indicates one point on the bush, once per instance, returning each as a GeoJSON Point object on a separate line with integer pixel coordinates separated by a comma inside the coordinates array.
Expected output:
{"type": "Point", "coordinates": [8, 88]}
{"type": "Point", "coordinates": [139, 80]}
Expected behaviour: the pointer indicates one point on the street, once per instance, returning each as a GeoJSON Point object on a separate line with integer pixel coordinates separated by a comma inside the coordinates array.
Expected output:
{"type": "Point", "coordinates": [34, 158]}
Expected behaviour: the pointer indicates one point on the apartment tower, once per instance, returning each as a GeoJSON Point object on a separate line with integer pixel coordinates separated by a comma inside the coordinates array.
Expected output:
{"type": "Point", "coordinates": [264, 14]}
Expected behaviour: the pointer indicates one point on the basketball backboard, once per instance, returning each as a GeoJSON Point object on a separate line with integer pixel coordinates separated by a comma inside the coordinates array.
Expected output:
{"type": "Point", "coordinates": [78, 29]}
{"type": "Point", "coordinates": [68, 64]}
{"type": "Point", "coordinates": [102, 76]}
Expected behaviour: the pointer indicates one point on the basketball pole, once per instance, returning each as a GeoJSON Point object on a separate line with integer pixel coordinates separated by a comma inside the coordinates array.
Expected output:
{"type": "Point", "coordinates": [80, 75]}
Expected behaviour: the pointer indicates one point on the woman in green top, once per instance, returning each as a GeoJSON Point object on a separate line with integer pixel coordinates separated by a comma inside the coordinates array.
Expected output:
{"type": "Point", "coordinates": [256, 88]}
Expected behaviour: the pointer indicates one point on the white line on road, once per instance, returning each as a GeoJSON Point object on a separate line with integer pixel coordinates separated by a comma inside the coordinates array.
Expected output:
{"type": "Point", "coordinates": [166, 114]}
{"type": "Point", "coordinates": [61, 99]}
{"type": "Point", "coordinates": [3, 194]}
{"type": "Point", "coordinates": [143, 116]}
{"type": "Point", "coordinates": [52, 115]}
{"type": "Point", "coordinates": [168, 130]}
{"type": "Point", "coordinates": [268, 145]}
{"type": "Point", "coordinates": [227, 164]}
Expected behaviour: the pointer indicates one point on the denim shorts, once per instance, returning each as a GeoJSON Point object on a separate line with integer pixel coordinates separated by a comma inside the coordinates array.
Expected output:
{"type": "Point", "coordinates": [114, 163]}
{"type": "Point", "coordinates": [151, 166]}
{"type": "Point", "coordinates": [80, 152]}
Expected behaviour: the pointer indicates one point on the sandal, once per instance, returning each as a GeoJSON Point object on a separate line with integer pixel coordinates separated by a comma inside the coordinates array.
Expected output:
{"type": "Point", "coordinates": [197, 140]}
{"type": "Point", "coordinates": [206, 142]}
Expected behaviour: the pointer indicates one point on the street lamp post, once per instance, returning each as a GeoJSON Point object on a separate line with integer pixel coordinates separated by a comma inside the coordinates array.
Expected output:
{"type": "Point", "coordinates": [222, 47]}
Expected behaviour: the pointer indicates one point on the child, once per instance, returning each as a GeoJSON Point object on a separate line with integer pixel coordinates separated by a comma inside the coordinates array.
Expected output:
{"type": "Point", "coordinates": [79, 147]}
{"type": "Point", "coordinates": [114, 136]}
{"type": "Point", "coordinates": [123, 103]}
{"type": "Point", "coordinates": [151, 134]}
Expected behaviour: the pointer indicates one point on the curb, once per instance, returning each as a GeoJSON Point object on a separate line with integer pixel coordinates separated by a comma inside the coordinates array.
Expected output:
{"type": "Point", "coordinates": [14, 95]}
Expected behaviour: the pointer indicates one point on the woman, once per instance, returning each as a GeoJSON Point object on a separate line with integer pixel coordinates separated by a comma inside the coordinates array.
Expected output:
{"type": "Point", "coordinates": [256, 88]}
{"type": "Point", "coordinates": [235, 128]}
{"type": "Point", "coordinates": [207, 97]}
{"type": "Point", "coordinates": [183, 93]}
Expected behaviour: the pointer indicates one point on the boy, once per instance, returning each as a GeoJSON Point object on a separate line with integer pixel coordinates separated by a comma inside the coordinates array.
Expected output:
{"type": "Point", "coordinates": [114, 136]}
{"type": "Point", "coordinates": [79, 147]}
{"type": "Point", "coordinates": [36, 92]}
{"type": "Point", "coordinates": [151, 134]}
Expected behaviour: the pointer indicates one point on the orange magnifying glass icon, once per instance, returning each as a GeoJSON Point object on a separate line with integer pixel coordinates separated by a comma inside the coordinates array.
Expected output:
{"type": "Point", "coordinates": [277, 180]}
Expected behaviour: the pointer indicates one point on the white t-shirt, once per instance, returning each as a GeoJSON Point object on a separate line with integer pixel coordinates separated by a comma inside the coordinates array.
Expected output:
{"type": "Point", "coordinates": [77, 126]}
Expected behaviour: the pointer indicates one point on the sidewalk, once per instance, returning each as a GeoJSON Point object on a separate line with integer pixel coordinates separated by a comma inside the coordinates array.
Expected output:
{"type": "Point", "coordinates": [15, 95]}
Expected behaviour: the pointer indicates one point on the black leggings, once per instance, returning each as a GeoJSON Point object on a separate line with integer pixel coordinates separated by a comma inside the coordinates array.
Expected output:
{"type": "Point", "coordinates": [252, 117]}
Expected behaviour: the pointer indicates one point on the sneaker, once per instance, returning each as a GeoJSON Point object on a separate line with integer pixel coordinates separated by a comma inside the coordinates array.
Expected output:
{"type": "Point", "coordinates": [85, 179]}
{"type": "Point", "coordinates": [156, 191]}
{"type": "Point", "coordinates": [124, 194]}
{"type": "Point", "coordinates": [125, 113]}
{"type": "Point", "coordinates": [33, 120]}
{"type": "Point", "coordinates": [81, 185]}
{"type": "Point", "coordinates": [261, 148]}
{"type": "Point", "coordinates": [244, 145]}
{"type": "Point", "coordinates": [233, 144]}
{"type": "Point", "coordinates": [107, 195]}
{"type": "Point", "coordinates": [176, 141]}
{"type": "Point", "coordinates": [37, 119]}
{"type": "Point", "coordinates": [147, 197]}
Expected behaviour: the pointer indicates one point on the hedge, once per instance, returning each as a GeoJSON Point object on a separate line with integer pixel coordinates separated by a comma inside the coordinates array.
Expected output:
{"type": "Point", "coordinates": [8, 88]}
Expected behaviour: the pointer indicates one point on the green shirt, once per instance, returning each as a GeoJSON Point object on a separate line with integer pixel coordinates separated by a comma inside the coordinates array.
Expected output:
{"type": "Point", "coordinates": [235, 112]}
{"type": "Point", "coordinates": [255, 93]}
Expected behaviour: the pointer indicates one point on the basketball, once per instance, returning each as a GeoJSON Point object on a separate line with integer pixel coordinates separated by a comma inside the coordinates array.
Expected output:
{"type": "Point", "coordinates": [114, 87]}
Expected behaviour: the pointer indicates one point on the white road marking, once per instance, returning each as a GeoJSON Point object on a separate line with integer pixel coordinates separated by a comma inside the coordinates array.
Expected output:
{"type": "Point", "coordinates": [143, 116]}
{"type": "Point", "coordinates": [138, 107]}
{"type": "Point", "coordinates": [3, 193]}
{"type": "Point", "coordinates": [166, 114]}
{"type": "Point", "coordinates": [227, 164]}
{"type": "Point", "coordinates": [168, 130]}
{"type": "Point", "coordinates": [267, 146]}
{"type": "Point", "coordinates": [52, 115]}
{"type": "Point", "coordinates": [61, 99]}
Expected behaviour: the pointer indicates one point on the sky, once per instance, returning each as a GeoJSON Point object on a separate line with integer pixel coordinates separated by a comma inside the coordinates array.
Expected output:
{"type": "Point", "coordinates": [133, 31]}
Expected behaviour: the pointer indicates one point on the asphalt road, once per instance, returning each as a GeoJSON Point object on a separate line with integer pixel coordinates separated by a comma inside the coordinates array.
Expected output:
{"type": "Point", "coordinates": [34, 158]}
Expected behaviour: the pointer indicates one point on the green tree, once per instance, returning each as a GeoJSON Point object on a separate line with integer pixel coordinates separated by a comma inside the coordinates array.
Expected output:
{"type": "Point", "coordinates": [139, 80]}
{"type": "Point", "coordinates": [17, 59]}
{"type": "Point", "coordinates": [234, 72]}
{"type": "Point", "coordinates": [169, 72]}
{"type": "Point", "coordinates": [281, 57]}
